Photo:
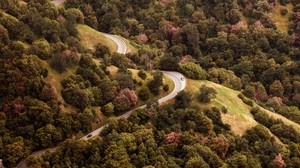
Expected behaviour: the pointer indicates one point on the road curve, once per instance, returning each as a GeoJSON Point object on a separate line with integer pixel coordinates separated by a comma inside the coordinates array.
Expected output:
{"type": "Point", "coordinates": [179, 83]}
{"type": "Point", "coordinates": [122, 49]}
{"type": "Point", "coordinates": [176, 77]}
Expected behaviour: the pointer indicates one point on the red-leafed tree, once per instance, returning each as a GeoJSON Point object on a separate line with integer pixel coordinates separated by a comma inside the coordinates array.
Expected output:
{"type": "Point", "coordinates": [48, 93]}
{"type": "Point", "coordinates": [130, 94]}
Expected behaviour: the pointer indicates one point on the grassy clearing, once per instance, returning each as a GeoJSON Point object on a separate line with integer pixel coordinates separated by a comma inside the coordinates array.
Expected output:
{"type": "Point", "coordinates": [238, 112]}
{"type": "Point", "coordinates": [281, 22]}
{"type": "Point", "coordinates": [238, 115]}
{"type": "Point", "coordinates": [166, 80]}
{"type": "Point", "coordinates": [90, 37]}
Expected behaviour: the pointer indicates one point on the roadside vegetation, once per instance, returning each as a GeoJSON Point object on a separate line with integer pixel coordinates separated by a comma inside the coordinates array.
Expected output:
{"type": "Point", "coordinates": [61, 78]}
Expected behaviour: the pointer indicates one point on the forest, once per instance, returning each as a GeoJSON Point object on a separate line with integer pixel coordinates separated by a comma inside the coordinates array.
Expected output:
{"type": "Point", "coordinates": [250, 46]}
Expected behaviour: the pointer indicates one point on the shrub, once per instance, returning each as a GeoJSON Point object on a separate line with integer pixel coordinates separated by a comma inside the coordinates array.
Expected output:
{"type": "Point", "coordinates": [224, 110]}
{"type": "Point", "coordinates": [246, 100]}
{"type": "Point", "coordinates": [142, 74]}
{"type": "Point", "coordinates": [144, 94]}
{"type": "Point", "coordinates": [166, 87]}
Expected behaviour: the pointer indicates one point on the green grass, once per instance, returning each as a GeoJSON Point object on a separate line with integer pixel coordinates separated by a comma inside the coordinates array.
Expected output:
{"type": "Point", "coordinates": [238, 115]}
{"type": "Point", "coordinates": [90, 37]}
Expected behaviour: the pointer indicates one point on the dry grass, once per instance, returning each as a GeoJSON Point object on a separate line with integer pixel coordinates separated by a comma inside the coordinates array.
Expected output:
{"type": "Point", "coordinates": [90, 37]}
{"type": "Point", "coordinates": [281, 22]}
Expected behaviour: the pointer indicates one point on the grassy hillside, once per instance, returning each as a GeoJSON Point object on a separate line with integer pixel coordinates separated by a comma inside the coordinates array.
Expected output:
{"type": "Point", "coordinates": [238, 113]}
{"type": "Point", "coordinates": [90, 37]}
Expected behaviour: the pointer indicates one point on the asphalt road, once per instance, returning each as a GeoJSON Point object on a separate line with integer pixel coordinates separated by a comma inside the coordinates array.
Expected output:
{"type": "Point", "coordinates": [122, 49]}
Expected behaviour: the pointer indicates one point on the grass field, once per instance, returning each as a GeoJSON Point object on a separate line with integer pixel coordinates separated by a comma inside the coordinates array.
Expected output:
{"type": "Point", "coordinates": [90, 37]}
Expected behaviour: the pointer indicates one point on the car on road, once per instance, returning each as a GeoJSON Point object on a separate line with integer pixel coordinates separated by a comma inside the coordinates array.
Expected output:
{"type": "Point", "coordinates": [89, 135]}
{"type": "Point", "coordinates": [182, 78]}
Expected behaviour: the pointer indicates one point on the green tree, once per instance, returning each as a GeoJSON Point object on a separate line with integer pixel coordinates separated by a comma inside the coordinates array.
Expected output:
{"type": "Point", "coordinates": [183, 99]}
{"type": "Point", "coordinates": [155, 84]}
{"type": "Point", "coordinates": [206, 94]}
{"type": "Point", "coordinates": [108, 109]}
{"type": "Point", "coordinates": [276, 89]}
{"type": "Point", "coordinates": [192, 70]}
{"type": "Point", "coordinates": [101, 50]}
{"type": "Point", "coordinates": [144, 94]}
{"type": "Point", "coordinates": [42, 49]}
{"type": "Point", "coordinates": [47, 135]}
{"type": "Point", "coordinates": [116, 156]}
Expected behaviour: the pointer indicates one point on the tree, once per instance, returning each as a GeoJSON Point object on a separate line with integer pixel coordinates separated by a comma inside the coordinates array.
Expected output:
{"type": "Point", "coordinates": [142, 74]}
{"type": "Point", "coordinates": [48, 93]}
{"type": "Point", "coordinates": [169, 63]}
{"type": "Point", "coordinates": [42, 49]}
{"type": "Point", "coordinates": [108, 109]}
{"type": "Point", "coordinates": [15, 151]}
{"type": "Point", "coordinates": [276, 89]}
{"type": "Point", "coordinates": [121, 103]}
{"type": "Point", "coordinates": [47, 135]}
{"type": "Point", "coordinates": [130, 94]}
{"type": "Point", "coordinates": [144, 94]}
{"type": "Point", "coordinates": [116, 156]}
{"type": "Point", "coordinates": [124, 80]}
{"type": "Point", "coordinates": [196, 162]}
{"type": "Point", "coordinates": [155, 84]}
{"type": "Point", "coordinates": [74, 16]}
{"type": "Point", "coordinates": [192, 70]}
{"type": "Point", "coordinates": [76, 96]}
{"type": "Point", "coordinates": [101, 50]}
{"type": "Point", "coordinates": [183, 99]}
{"type": "Point", "coordinates": [206, 94]}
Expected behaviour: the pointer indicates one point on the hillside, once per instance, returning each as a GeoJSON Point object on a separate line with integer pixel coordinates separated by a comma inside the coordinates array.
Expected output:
{"type": "Point", "coordinates": [150, 83]}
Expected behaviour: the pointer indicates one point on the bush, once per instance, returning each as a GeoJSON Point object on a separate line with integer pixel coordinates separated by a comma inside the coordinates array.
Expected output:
{"type": "Point", "coordinates": [283, 11]}
{"type": "Point", "coordinates": [246, 100]}
{"type": "Point", "coordinates": [166, 87]}
{"type": "Point", "coordinates": [224, 110]}
{"type": "Point", "coordinates": [142, 74]}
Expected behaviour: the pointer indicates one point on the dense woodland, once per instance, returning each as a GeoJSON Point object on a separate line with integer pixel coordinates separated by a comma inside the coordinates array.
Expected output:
{"type": "Point", "coordinates": [232, 42]}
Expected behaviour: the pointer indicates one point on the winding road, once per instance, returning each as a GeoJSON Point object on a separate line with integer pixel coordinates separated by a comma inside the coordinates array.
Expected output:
{"type": "Point", "coordinates": [176, 77]}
